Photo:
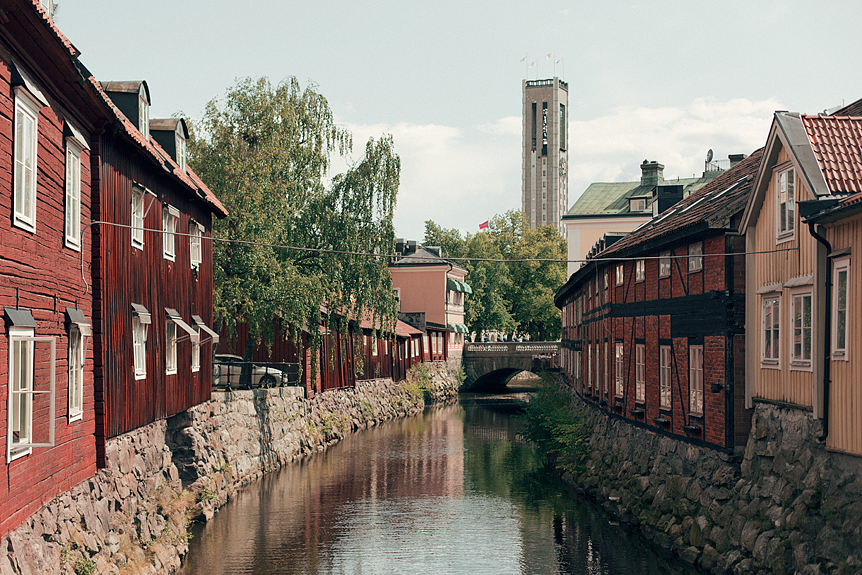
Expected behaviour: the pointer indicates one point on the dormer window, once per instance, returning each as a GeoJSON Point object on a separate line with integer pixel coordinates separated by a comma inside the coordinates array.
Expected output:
{"type": "Point", "coordinates": [637, 204]}
{"type": "Point", "coordinates": [143, 115]}
{"type": "Point", "coordinates": [181, 149]}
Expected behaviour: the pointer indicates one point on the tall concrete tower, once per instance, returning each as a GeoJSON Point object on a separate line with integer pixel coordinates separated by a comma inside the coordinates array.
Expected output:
{"type": "Point", "coordinates": [545, 176]}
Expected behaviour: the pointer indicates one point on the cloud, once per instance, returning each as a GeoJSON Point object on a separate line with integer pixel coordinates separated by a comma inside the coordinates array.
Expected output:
{"type": "Point", "coordinates": [461, 176]}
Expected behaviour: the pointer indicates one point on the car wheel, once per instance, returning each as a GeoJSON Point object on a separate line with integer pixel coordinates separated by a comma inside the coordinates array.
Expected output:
{"type": "Point", "coordinates": [268, 380]}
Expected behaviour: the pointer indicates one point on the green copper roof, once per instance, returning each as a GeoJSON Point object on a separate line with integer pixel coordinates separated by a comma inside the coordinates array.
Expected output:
{"type": "Point", "coordinates": [612, 198]}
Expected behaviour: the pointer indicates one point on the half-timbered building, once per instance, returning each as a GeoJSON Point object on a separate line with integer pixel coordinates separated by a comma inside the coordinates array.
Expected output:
{"type": "Point", "coordinates": [653, 326]}
{"type": "Point", "coordinates": [802, 227]}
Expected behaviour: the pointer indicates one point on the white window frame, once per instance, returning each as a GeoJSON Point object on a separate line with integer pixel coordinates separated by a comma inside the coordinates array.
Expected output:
{"type": "Point", "coordinates": [770, 329]}
{"type": "Point", "coordinates": [195, 244]}
{"type": "Point", "coordinates": [73, 195]}
{"type": "Point", "coordinates": [640, 373]}
{"type": "Point", "coordinates": [143, 114]}
{"type": "Point", "coordinates": [620, 274]}
{"type": "Point", "coordinates": [619, 354]}
{"type": "Point", "coordinates": [374, 345]}
{"type": "Point", "coordinates": [640, 270]}
{"type": "Point", "coordinates": [589, 367]}
{"type": "Point", "coordinates": [785, 204]}
{"type": "Point", "coordinates": [840, 347]}
{"type": "Point", "coordinates": [799, 361]}
{"type": "Point", "coordinates": [665, 395]}
{"type": "Point", "coordinates": [138, 195]}
{"type": "Point", "coordinates": [695, 257]}
{"type": "Point", "coordinates": [607, 371]}
{"type": "Point", "coordinates": [180, 145]}
{"type": "Point", "coordinates": [24, 211]}
{"type": "Point", "coordinates": [196, 350]}
{"type": "Point", "coordinates": [17, 394]}
{"type": "Point", "coordinates": [664, 265]}
{"type": "Point", "coordinates": [170, 346]}
{"type": "Point", "coordinates": [170, 217]}
{"type": "Point", "coordinates": [139, 345]}
{"type": "Point", "coordinates": [695, 379]}
{"type": "Point", "coordinates": [77, 346]}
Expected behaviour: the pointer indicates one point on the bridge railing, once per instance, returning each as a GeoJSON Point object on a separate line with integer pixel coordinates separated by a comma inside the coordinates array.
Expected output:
{"type": "Point", "coordinates": [513, 347]}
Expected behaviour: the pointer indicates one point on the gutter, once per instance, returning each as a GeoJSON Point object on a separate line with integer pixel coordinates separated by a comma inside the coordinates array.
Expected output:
{"type": "Point", "coordinates": [827, 331]}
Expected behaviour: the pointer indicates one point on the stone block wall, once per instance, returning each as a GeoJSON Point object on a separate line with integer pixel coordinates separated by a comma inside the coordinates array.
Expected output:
{"type": "Point", "coordinates": [786, 506]}
{"type": "Point", "coordinates": [133, 516]}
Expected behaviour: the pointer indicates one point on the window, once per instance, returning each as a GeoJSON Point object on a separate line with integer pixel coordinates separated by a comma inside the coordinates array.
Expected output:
{"type": "Point", "coordinates": [195, 257]}
{"type": "Point", "coordinates": [840, 300]}
{"type": "Point", "coordinates": [589, 366]}
{"type": "Point", "coordinates": [578, 369]}
{"type": "Point", "coordinates": [181, 147]}
{"type": "Point", "coordinates": [640, 373]}
{"type": "Point", "coordinates": [664, 265]}
{"type": "Point", "coordinates": [664, 383]}
{"type": "Point", "coordinates": [786, 213]}
{"type": "Point", "coordinates": [21, 364]}
{"type": "Point", "coordinates": [606, 279]}
{"type": "Point", "coordinates": [618, 367]}
{"type": "Point", "coordinates": [196, 352]}
{"type": "Point", "coordinates": [138, 217]}
{"type": "Point", "coordinates": [26, 131]}
{"type": "Point", "coordinates": [374, 346]}
{"type": "Point", "coordinates": [170, 347]}
{"type": "Point", "coordinates": [695, 379]}
{"type": "Point", "coordinates": [606, 369]}
{"type": "Point", "coordinates": [170, 215]}
{"type": "Point", "coordinates": [76, 374]}
{"type": "Point", "coordinates": [640, 270]}
{"type": "Point", "coordinates": [141, 321]}
{"type": "Point", "coordinates": [619, 274]}
{"type": "Point", "coordinates": [695, 257]}
{"type": "Point", "coordinates": [143, 114]}
{"type": "Point", "coordinates": [771, 318]}
{"type": "Point", "coordinates": [637, 205]}
{"type": "Point", "coordinates": [73, 196]}
{"type": "Point", "coordinates": [801, 350]}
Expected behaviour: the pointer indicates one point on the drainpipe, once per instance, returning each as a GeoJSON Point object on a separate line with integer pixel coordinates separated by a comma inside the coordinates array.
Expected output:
{"type": "Point", "coordinates": [827, 328]}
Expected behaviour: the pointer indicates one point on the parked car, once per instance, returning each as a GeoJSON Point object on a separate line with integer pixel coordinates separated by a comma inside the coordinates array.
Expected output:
{"type": "Point", "coordinates": [227, 369]}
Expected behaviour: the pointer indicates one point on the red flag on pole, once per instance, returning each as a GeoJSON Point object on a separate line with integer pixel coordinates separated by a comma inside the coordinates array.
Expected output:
{"type": "Point", "coordinates": [484, 225]}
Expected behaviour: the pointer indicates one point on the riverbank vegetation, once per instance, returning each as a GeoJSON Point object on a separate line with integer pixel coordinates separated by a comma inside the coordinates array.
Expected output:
{"type": "Point", "coordinates": [551, 422]}
{"type": "Point", "coordinates": [514, 296]}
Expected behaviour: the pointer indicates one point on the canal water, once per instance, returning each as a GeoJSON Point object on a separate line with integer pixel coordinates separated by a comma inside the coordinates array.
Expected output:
{"type": "Point", "coordinates": [452, 491]}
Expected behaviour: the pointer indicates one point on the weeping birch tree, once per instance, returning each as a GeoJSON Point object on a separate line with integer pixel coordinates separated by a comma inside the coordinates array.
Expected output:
{"type": "Point", "coordinates": [265, 151]}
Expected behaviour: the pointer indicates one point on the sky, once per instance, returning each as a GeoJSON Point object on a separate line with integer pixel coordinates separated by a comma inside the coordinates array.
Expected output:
{"type": "Point", "coordinates": [665, 80]}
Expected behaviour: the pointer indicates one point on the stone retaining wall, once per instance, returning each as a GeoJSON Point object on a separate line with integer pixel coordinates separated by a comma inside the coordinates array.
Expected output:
{"type": "Point", "coordinates": [786, 506]}
{"type": "Point", "coordinates": [132, 517]}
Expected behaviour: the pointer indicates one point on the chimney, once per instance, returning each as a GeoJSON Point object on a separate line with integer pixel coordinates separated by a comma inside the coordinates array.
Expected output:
{"type": "Point", "coordinates": [736, 158]}
{"type": "Point", "coordinates": [399, 246]}
{"type": "Point", "coordinates": [652, 173]}
{"type": "Point", "coordinates": [663, 197]}
{"type": "Point", "coordinates": [410, 247]}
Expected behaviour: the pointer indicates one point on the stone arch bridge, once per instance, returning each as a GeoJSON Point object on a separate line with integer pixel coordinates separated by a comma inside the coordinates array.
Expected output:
{"type": "Point", "coordinates": [489, 366]}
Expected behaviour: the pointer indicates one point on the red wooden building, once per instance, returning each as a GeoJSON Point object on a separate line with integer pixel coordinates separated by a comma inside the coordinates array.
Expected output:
{"type": "Point", "coordinates": [152, 268]}
{"type": "Point", "coordinates": [653, 327]}
{"type": "Point", "coordinates": [46, 347]}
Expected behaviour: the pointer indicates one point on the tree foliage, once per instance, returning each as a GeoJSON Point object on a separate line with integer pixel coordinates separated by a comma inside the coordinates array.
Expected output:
{"type": "Point", "coordinates": [265, 151]}
{"type": "Point", "coordinates": [508, 296]}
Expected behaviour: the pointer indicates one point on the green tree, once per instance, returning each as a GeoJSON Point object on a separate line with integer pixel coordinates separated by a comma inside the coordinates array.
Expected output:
{"type": "Point", "coordinates": [534, 283]}
{"type": "Point", "coordinates": [264, 150]}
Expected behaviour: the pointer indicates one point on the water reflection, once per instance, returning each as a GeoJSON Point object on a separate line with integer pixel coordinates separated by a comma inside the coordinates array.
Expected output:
{"type": "Point", "coordinates": [452, 491]}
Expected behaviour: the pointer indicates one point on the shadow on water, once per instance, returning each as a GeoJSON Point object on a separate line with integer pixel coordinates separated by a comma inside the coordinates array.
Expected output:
{"type": "Point", "coordinates": [455, 490]}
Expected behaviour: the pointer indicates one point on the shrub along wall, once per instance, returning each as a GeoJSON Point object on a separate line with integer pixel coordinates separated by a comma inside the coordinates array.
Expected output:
{"type": "Point", "coordinates": [786, 506]}
{"type": "Point", "coordinates": [132, 517]}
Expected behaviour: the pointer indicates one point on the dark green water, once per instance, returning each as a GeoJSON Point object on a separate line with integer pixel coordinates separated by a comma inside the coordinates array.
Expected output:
{"type": "Point", "coordinates": [449, 492]}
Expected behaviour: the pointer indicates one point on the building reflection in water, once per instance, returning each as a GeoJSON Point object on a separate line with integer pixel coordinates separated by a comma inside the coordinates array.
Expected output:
{"type": "Point", "coordinates": [453, 491]}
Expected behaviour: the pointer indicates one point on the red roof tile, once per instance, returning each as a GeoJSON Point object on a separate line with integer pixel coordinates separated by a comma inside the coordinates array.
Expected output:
{"type": "Point", "coordinates": [837, 145]}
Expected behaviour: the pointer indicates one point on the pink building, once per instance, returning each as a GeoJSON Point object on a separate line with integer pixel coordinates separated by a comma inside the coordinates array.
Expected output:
{"type": "Point", "coordinates": [431, 292]}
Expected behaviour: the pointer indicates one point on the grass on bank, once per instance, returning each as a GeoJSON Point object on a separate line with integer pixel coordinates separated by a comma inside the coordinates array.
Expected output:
{"type": "Point", "coordinates": [551, 422]}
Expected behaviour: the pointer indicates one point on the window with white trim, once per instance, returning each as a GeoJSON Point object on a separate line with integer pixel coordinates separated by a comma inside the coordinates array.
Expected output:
{"type": "Point", "coordinates": [619, 274]}
{"type": "Point", "coordinates": [76, 373]}
{"type": "Point", "coordinates": [606, 278]}
{"type": "Point", "coordinates": [664, 377]}
{"type": "Point", "coordinates": [21, 365]}
{"type": "Point", "coordinates": [143, 114]}
{"type": "Point", "coordinates": [800, 350]}
{"type": "Point", "coordinates": [170, 215]}
{"type": "Point", "coordinates": [640, 373]}
{"type": "Point", "coordinates": [140, 323]}
{"type": "Point", "coordinates": [26, 146]}
{"type": "Point", "coordinates": [840, 305]}
{"type": "Point", "coordinates": [181, 147]}
{"type": "Point", "coordinates": [664, 265]}
{"type": "Point", "coordinates": [695, 257]}
{"type": "Point", "coordinates": [73, 195]}
{"type": "Point", "coordinates": [195, 230]}
{"type": "Point", "coordinates": [785, 187]}
{"type": "Point", "coordinates": [771, 346]}
{"type": "Point", "coordinates": [618, 367]}
{"type": "Point", "coordinates": [196, 351]}
{"type": "Point", "coordinates": [695, 379]}
{"type": "Point", "coordinates": [170, 346]}
{"type": "Point", "coordinates": [640, 270]}
{"type": "Point", "coordinates": [138, 217]}
{"type": "Point", "coordinates": [589, 367]}
{"type": "Point", "coordinates": [606, 369]}
{"type": "Point", "coordinates": [374, 345]}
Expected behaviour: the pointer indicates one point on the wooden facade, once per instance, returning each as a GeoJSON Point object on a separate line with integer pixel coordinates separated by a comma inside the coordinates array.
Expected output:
{"type": "Point", "coordinates": [45, 257]}
{"type": "Point", "coordinates": [653, 326]}
{"type": "Point", "coordinates": [794, 360]}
